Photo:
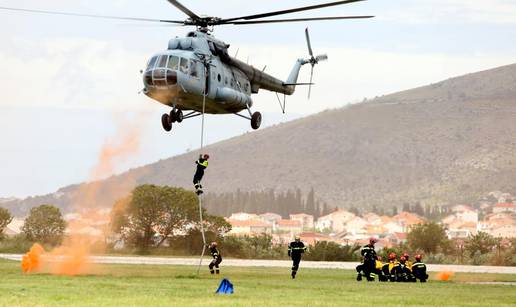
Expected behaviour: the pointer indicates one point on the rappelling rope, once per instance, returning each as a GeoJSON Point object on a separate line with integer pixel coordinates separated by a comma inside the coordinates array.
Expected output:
{"type": "Point", "coordinates": [200, 196]}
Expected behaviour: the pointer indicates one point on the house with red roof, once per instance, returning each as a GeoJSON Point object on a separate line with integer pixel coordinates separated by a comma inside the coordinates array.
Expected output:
{"type": "Point", "coordinates": [407, 219]}
{"type": "Point", "coordinates": [310, 238]}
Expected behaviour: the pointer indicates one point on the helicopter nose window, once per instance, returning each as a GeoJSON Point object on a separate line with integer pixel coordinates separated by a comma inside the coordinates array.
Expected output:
{"type": "Point", "coordinates": [151, 63]}
{"type": "Point", "coordinates": [173, 62]}
{"type": "Point", "coordinates": [162, 61]}
{"type": "Point", "coordinates": [184, 66]}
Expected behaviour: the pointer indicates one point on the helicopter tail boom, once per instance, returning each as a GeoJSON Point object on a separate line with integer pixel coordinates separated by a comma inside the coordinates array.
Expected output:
{"type": "Point", "coordinates": [261, 80]}
{"type": "Point", "coordinates": [290, 84]}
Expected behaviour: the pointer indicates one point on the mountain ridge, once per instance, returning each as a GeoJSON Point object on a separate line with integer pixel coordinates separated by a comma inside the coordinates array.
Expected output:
{"type": "Point", "coordinates": [450, 141]}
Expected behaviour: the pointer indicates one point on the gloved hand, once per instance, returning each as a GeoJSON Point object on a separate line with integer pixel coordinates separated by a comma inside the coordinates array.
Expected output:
{"type": "Point", "coordinates": [289, 253]}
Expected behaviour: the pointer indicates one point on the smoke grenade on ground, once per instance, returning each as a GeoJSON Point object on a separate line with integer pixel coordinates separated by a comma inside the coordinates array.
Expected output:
{"type": "Point", "coordinates": [444, 276]}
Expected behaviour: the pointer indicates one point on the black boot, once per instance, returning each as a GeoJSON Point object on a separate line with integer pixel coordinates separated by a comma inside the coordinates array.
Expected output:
{"type": "Point", "coordinates": [293, 274]}
{"type": "Point", "coordinates": [359, 277]}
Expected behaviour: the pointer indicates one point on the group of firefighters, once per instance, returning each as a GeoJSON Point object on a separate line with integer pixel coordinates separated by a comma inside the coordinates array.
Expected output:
{"type": "Point", "coordinates": [395, 270]}
{"type": "Point", "coordinates": [372, 266]}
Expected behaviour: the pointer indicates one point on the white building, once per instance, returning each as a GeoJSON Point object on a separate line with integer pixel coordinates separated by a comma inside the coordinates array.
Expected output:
{"type": "Point", "coordinates": [335, 221]}
{"type": "Point", "coordinates": [288, 226]}
{"type": "Point", "coordinates": [504, 207]}
{"type": "Point", "coordinates": [249, 227]}
{"type": "Point", "coordinates": [269, 217]}
{"type": "Point", "coordinates": [503, 231]}
{"type": "Point", "coordinates": [242, 216]}
{"type": "Point", "coordinates": [14, 228]}
{"type": "Point", "coordinates": [306, 220]}
{"type": "Point", "coordinates": [356, 225]}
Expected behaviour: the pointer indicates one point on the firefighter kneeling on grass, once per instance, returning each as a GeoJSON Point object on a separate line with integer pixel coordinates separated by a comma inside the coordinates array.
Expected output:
{"type": "Point", "coordinates": [419, 269]}
{"type": "Point", "coordinates": [368, 267]}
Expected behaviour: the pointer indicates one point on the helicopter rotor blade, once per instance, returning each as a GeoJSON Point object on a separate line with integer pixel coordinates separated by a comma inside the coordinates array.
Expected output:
{"type": "Point", "coordinates": [311, 78]}
{"type": "Point", "coordinates": [289, 11]}
{"type": "Point", "coordinates": [322, 57]}
{"type": "Point", "coordinates": [89, 15]}
{"type": "Point", "coordinates": [250, 22]}
{"type": "Point", "coordinates": [184, 9]}
{"type": "Point", "coordinates": [309, 44]}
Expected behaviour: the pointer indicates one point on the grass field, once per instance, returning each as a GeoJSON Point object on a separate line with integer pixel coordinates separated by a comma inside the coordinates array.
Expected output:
{"type": "Point", "coordinates": [131, 285]}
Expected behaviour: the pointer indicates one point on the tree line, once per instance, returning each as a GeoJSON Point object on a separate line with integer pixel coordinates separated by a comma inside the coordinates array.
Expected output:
{"type": "Point", "coordinates": [258, 202]}
{"type": "Point", "coordinates": [431, 240]}
{"type": "Point", "coordinates": [165, 220]}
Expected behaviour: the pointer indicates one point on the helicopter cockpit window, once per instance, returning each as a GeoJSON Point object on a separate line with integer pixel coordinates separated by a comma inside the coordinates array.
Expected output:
{"type": "Point", "coordinates": [183, 67]}
{"type": "Point", "coordinates": [162, 61]}
{"type": "Point", "coordinates": [173, 62]}
{"type": "Point", "coordinates": [194, 69]}
{"type": "Point", "coordinates": [152, 62]}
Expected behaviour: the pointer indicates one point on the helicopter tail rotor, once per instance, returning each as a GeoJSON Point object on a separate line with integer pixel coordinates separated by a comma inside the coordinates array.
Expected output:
{"type": "Point", "coordinates": [313, 60]}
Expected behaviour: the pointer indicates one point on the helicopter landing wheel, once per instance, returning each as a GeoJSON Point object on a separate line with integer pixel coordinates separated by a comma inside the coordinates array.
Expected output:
{"type": "Point", "coordinates": [176, 116]}
{"type": "Point", "coordinates": [179, 116]}
{"type": "Point", "coordinates": [166, 122]}
{"type": "Point", "coordinates": [256, 120]}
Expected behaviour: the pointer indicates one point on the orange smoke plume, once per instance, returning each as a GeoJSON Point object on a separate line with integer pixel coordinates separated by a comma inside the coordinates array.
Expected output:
{"type": "Point", "coordinates": [444, 276]}
{"type": "Point", "coordinates": [73, 256]}
{"type": "Point", "coordinates": [31, 261]}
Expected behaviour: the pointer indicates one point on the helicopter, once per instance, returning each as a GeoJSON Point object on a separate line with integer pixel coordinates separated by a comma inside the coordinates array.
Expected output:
{"type": "Point", "coordinates": [196, 74]}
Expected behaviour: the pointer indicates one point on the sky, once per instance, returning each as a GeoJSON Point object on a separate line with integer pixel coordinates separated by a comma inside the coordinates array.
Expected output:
{"type": "Point", "coordinates": [69, 83]}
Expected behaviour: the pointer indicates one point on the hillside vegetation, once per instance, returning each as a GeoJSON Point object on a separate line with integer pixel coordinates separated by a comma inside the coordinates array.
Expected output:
{"type": "Point", "coordinates": [447, 142]}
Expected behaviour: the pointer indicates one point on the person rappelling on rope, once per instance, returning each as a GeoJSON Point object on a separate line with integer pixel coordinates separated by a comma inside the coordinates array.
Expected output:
{"type": "Point", "coordinates": [217, 258]}
{"type": "Point", "coordinates": [202, 164]}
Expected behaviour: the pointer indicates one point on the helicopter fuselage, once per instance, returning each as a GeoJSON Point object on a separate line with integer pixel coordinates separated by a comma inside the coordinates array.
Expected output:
{"type": "Point", "coordinates": [198, 68]}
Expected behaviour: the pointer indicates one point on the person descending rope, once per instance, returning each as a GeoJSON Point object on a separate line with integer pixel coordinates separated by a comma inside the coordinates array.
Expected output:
{"type": "Point", "coordinates": [217, 258]}
{"type": "Point", "coordinates": [295, 250]}
{"type": "Point", "coordinates": [202, 164]}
